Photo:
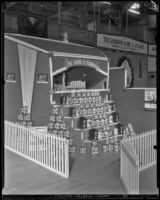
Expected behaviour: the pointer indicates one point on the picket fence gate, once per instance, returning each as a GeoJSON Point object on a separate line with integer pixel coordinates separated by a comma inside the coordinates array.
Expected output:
{"type": "Point", "coordinates": [49, 151]}
{"type": "Point", "coordinates": [137, 153]}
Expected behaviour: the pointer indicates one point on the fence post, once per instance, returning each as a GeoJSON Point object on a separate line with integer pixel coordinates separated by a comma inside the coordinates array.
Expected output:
{"type": "Point", "coordinates": [66, 158]}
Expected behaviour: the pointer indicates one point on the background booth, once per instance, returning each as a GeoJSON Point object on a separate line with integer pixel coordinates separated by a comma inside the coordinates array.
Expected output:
{"type": "Point", "coordinates": [30, 65]}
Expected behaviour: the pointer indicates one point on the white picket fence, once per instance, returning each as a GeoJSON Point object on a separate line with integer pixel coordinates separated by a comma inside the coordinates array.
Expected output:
{"type": "Point", "coordinates": [49, 151]}
{"type": "Point", "coordinates": [137, 153]}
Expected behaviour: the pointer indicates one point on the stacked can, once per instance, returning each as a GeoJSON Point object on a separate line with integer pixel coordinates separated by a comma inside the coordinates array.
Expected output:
{"type": "Point", "coordinates": [24, 118]}
{"type": "Point", "coordinates": [94, 148]}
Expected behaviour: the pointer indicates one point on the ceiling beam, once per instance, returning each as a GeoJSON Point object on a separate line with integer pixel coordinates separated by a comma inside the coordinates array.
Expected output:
{"type": "Point", "coordinates": [17, 12]}
{"type": "Point", "coordinates": [9, 5]}
{"type": "Point", "coordinates": [63, 12]}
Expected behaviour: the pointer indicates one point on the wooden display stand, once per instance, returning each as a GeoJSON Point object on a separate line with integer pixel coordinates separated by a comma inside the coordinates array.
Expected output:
{"type": "Point", "coordinates": [89, 112]}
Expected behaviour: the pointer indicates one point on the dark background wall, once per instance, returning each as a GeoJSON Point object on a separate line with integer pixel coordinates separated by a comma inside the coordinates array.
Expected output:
{"type": "Point", "coordinates": [130, 104]}
{"type": "Point", "coordinates": [41, 99]}
{"type": "Point", "coordinates": [76, 73]}
{"type": "Point", "coordinates": [136, 60]}
{"type": "Point", "coordinates": [12, 91]}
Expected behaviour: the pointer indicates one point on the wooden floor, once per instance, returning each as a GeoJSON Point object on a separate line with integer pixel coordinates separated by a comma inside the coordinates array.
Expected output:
{"type": "Point", "coordinates": [88, 175]}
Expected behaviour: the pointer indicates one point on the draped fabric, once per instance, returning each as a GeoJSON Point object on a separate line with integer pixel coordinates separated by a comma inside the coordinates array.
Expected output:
{"type": "Point", "coordinates": [27, 62]}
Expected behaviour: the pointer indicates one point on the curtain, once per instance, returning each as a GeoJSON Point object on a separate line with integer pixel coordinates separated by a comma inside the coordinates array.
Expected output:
{"type": "Point", "coordinates": [27, 63]}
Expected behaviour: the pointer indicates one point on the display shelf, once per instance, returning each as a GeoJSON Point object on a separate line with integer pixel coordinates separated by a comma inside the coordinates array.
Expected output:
{"type": "Point", "coordinates": [108, 137]}
{"type": "Point", "coordinates": [72, 105]}
{"type": "Point", "coordinates": [75, 117]}
{"type": "Point", "coordinates": [78, 90]}
{"type": "Point", "coordinates": [111, 124]}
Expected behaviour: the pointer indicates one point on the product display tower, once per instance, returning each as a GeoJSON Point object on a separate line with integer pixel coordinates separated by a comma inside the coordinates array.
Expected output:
{"type": "Point", "coordinates": [84, 112]}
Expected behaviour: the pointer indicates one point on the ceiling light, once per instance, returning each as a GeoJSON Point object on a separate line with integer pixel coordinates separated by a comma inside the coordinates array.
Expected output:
{"type": "Point", "coordinates": [135, 6]}
{"type": "Point", "coordinates": [134, 11]}
{"type": "Point", "coordinates": [109, 3]}
{"type": "Point", "coordinates": [105, 2]}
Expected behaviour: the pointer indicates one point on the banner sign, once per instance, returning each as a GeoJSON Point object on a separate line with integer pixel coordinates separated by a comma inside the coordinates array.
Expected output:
{"type": "Point", "coordinates": [152, 50]}
{"type": "Point", "coordinates": [121, 43]}
{"type": "Point", "coordinates": [42, 78]}
{"type": "Point", "coordinates": [75, 62]}
{"type": "Point", "coordinates": [85, 62]}
{"type": "Point", "coordinates": [150, 99]}
{"type": "Point", "coordinates": [10, 77]}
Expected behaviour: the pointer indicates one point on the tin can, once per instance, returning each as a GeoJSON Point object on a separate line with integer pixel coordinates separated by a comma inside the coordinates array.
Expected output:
{"type": "Point", "coordinates": [104, 147]}
{"type": "Point", "coordinates": [110, 119]}
{"type": "Point", "coordinates": [94, 149]}
{"type": "Point", "coordinates": [72, 149]}
{"type": "Point", "coordinates": [116, 147]}
{"type": "Point", "coordinates": [83, 148]}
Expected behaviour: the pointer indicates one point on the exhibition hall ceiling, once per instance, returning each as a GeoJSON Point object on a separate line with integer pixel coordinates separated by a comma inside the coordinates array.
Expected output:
{"type": "Point", "coordinates": [81, 13]}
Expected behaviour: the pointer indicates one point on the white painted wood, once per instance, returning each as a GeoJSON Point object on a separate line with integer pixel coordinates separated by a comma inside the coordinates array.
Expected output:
{"type": "Point", "coordinates": [42, 148]}
{"type": "Point", "coordinates": [73, 55]}
{"type": "Point", "coordinates": [139, 148]}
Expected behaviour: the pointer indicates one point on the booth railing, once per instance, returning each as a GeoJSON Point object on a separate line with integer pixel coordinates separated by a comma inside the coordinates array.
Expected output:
{"type": "Point", "coordinates": [137, 153]}
{"type": "Point", "coordinates": [144, 147]}
{"type": "Point", "coordinates": [49, 151]}
{"type": "Point", "coordinates": [129, 168]}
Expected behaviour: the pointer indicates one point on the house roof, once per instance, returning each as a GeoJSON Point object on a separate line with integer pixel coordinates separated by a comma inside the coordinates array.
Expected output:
{"type": "Point", "coordinates": [58, 48]}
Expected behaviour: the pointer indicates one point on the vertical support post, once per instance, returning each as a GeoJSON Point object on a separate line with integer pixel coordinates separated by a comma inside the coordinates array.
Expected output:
{"type": "Point", "coordinates": [99, 14]}
{"type": "Point", "coordinates": [127, 22]}
{"type": "Point", "coordinates": [51, 78]}
{"type": "Point", "coordinates": [119, 22]}
{"type": "Point", "coordinates": [108, 73]}
{"type": "Point", "coordinates": [66, 159]}
{"type": "Point", "coordinates": [59, 11]}
{"type": "Point", "coordinates": [94, 17]}
{"type": "Point", "coordinates": [109, 25]}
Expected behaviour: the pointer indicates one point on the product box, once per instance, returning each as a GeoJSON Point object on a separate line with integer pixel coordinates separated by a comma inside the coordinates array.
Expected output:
{"type": "Point", "coordinates": [27, 117]}
{"type": "Point", "coordinates": [82, 123]}
{"type": "Point", "coordinates": [24, 109]}
{"type": "Point", "coordinates": [29, 123]}
{"type": "Point", "coordinates": [20, 117]}
{"type": "Point", "coordinates": [93, 134]}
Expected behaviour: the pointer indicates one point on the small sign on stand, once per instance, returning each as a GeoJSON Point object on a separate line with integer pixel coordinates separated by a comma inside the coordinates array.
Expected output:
{"type": "Point", "coordinates": [150, 99]}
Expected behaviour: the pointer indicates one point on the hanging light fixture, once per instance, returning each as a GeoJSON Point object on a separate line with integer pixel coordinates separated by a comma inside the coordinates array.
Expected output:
{"type": "Point", "coordinates": [134, 8]}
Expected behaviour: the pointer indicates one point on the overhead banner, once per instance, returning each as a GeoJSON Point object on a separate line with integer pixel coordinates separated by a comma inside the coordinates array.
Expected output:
{"type": "Point", "coordinates": [121, 43]}
{"type": "Point", "coordinates": [152, 50]}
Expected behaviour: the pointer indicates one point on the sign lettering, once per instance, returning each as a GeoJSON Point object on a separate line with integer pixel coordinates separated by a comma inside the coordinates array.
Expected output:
{"type": "Point", "coordinates": [121, 43]}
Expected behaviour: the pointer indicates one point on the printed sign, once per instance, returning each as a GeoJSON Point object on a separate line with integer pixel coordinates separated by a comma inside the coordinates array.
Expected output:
{"type": "Point", "coordinates": [121, 43]}
{"type": "Point", "coordinates": [152, 50]}
{"type": "Point", "coordinates": [150, 99]}
{"type": "Point", "coordinates": [152, 64]}
{"type": "Point", "coordinates": [10, 77]}
{"type": "Point", "coordinates": [42, 78]}
{"type": "Point", "coordinates": [75, 62]}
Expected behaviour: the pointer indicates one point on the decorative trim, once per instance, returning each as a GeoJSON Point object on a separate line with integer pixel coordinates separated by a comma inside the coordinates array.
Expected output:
{"type": "Point", "coordinates": [114, 68]}
{"type": "Point", "coordinates": [26, 44]}
{"type": "Point", "coordinates": [41, 78]}
{"type": "Point", "coordinates": [10, 78]}
{"type": "Point", "coordinates": [50, 40]}
{"type": "Point", "coordinates": [121, 61]}
{"type": "Point", "coordinates": [140, 88]}
{"type": "Point", "coordinates": [61, 54]}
